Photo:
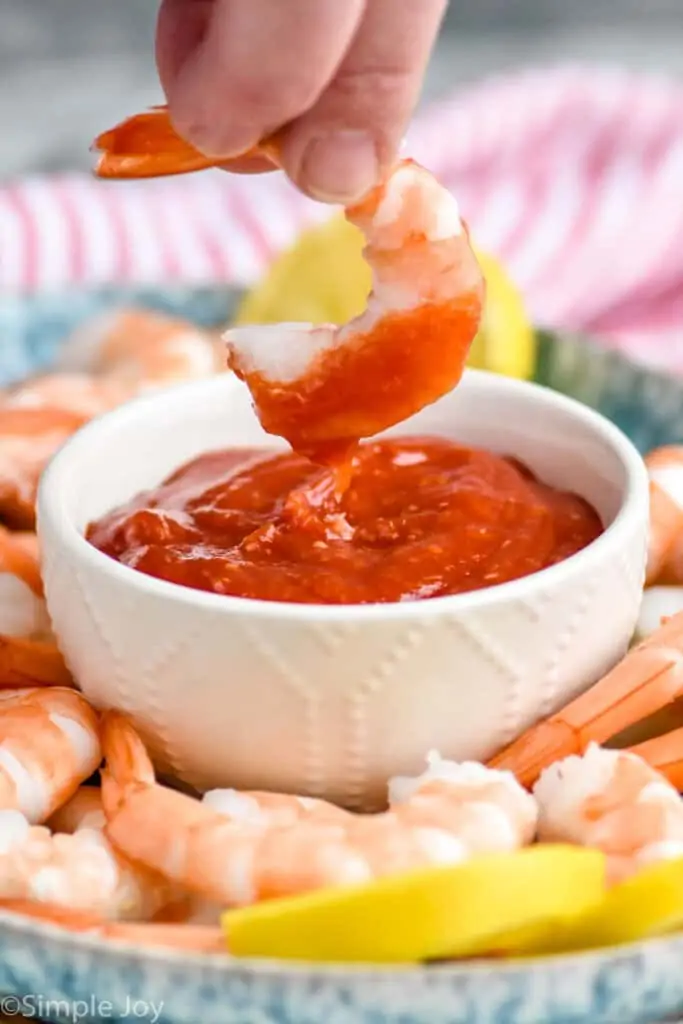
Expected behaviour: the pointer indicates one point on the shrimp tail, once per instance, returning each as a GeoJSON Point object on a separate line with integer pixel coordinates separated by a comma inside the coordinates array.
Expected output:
{"type": "Point", "coordinates": [31, 663]}
{"type": "Point", "coordinates": [665, 755]}
{"type": "Point", "coordinates": [127, 763]}
{"type": "Point", "coordinates": [647, 679]}
{"type": "Point", "coordinates": [148, 146]}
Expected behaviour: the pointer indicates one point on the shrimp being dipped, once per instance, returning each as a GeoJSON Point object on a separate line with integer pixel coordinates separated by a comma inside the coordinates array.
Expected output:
{"type": "Point", "coordinates": [260, 846]}
{"type": "Point", "coordinates": [614, 801]}
{"type": "Point", "coordinates": [329, 386]}
{"type": "Point", "coordinates": [324, 387]}
{"type": "Point", "coordinates": [49, 745]}
{"type": "Point", "coordinates": [647, 679]}
{"type": "Point", "coordinates": [23, 612]}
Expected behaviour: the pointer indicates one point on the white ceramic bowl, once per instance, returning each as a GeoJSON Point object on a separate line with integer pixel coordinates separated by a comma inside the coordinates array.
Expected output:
{"type": "Point", "coordinates": [332, 701]}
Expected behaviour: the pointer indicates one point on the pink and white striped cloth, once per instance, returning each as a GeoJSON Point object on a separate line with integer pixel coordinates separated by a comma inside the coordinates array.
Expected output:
{"type": "Point", "coordinates": [571, 176]}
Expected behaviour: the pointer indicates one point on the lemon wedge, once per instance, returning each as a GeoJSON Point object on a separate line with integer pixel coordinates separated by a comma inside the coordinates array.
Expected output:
{"type": "Point", "coordinates": [649, 904]}
{"type": "Point", "coordinates": [506, 342]}
{"type": "Point", "coordinates": [323, 278]}
{"type": "Point", "coordinates": [481, 906]}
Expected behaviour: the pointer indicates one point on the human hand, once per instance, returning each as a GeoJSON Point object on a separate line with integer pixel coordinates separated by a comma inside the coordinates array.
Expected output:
{"type": "Point", "coordinates": [337, 78]}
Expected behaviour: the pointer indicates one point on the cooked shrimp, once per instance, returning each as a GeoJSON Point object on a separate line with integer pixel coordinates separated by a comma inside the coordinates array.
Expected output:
{"type": "Point", "coordinates": [134, 891]}
{"type": "Point", "coordinates": [665, 754]}
{"type": "Point", "coordinates": [49, 744]}
{"type": "Point", "coordinates": [29, 437]}
{"type": "Point", "coordinates": [665, 550]}
{"type": "Point", "coordinates": [79, 393]}
{"type": "Point", "coordinates": [320, 386]}
{"type": "Point", "coordinates": [31, 663]}
{"type": "Point", "coordinates": [614, 801]}
{"type": "Point", "coordinates": [133, 350]}
{"type": "Point", "coordinates": [260, 846]}
{"type": "Point", "coordinates": [405, 351]}
{"type": "Point", "coordinates": [79, 871]}
{"type": "Point", "coordinates": [197, 938]}
{"type": "Point", "coordinates": [83, 810]}
{"type": "Point", "coordinates": [647, 679]}
{"type": "Point", "coordinates": [23, 612]}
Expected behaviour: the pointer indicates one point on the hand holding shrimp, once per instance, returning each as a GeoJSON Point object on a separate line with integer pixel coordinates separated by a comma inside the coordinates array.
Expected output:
{"type": "Point", "coordinates": [323, 388]}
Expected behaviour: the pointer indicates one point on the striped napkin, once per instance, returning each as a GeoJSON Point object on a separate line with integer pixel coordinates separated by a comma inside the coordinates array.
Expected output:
{"type": "Point", "coordinates": [571, 176]}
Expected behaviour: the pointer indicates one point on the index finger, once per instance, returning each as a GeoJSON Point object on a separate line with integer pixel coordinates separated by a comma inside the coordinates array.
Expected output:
{"type": "Point", "coordinates": [253, 65]}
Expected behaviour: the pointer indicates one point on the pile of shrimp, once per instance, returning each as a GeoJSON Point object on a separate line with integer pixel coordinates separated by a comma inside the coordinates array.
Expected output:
{"type": "Point", "coordinates": [117, 357]}
{"type": "Point", "coordinates": [91, 841]}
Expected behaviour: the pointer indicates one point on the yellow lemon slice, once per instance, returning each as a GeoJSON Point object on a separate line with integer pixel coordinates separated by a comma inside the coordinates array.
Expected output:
{"type": "Point", "coordinates": [506, 342]}
{"type": "Point", "coordinates": [649, 904]}
{"type": "Point", "coordinates": [477, 907]}
{"type": "Point", "coordinates": [324, 279]}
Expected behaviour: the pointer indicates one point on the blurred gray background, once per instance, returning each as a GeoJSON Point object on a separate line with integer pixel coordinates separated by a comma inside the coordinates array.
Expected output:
{"type": "Point", "coordinates": [68, 67]}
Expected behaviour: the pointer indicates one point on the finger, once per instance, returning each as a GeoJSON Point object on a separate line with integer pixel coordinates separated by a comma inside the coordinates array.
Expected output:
{"type": "Point", "coordinates": [256, 65]}
{"type": "Point", "coordinates": [250, 165]}
{"type": "Point", "coordinates": [337, 150]}
{"type": "Point", "coordinates": [181, 27]}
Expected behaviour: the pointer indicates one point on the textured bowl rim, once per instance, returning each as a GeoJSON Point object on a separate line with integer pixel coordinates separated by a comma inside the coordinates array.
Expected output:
{"type": "Point", "coordinates": [52, 505]}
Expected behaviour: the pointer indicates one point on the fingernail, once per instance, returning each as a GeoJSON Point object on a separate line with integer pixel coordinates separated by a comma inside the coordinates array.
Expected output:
{"type": "Point", "coordinates": [340, 167]}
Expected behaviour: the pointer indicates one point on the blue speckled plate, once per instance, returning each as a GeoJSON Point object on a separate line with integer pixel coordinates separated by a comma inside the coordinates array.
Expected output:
{"type": "Point", "coordinates": [53, 975]}
{"type": "Point", "coordinates": [638, 985]}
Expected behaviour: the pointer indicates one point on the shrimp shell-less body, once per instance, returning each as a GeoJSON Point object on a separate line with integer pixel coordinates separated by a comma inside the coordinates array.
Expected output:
{"type": "Point", "coordinates": [82, 810]}
{"type": "Point", "coordinates": [134, 892]}
{"type": "Point", "coordinates": [80, 871]}
{"type": "Point", "coordinates": [648, 678]}
{"type": "Point", "coordinates": [323, 387]}
{"type": "Point", "coordinates": [26, 663]}
{"type": "Point", "coordinates": [134, 350]}
{"type": "Point", "coordinates": [78, 393]}
{"type": "Point", "coordinates": [29, 437]}
{"type": "Point", "coordinates": [613, 801]}
{"type": "Point", "coordinates": [49, 744]}
{"type": "Point", "coordinates": [665, 546]}
{"type": "Point", "coordinates": [23, 612]}
{"type": "Point", "coordinates": [258, 846]}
